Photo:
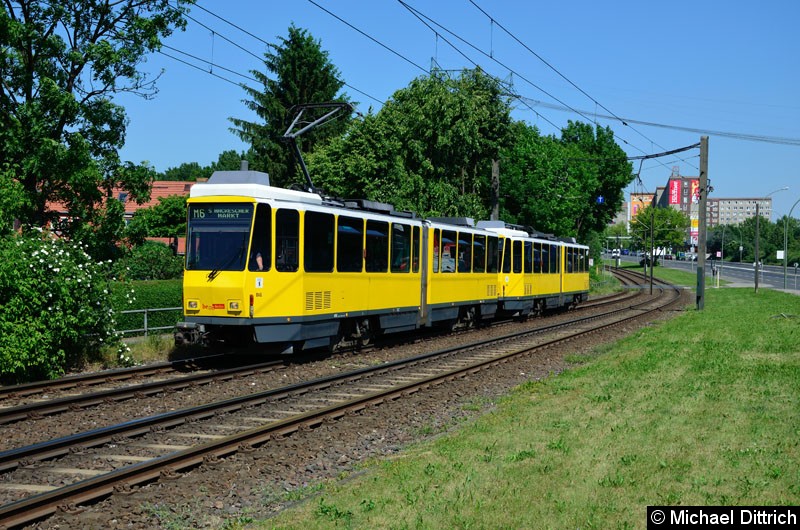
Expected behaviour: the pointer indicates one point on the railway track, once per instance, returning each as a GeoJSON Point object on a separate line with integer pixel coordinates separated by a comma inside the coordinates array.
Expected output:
{"type": "Point", "coordinates": [35, 400]}
{"type": "Point", "coordinates": [77, 401]}
{"type": "Point", "coordinates": [65, 473]}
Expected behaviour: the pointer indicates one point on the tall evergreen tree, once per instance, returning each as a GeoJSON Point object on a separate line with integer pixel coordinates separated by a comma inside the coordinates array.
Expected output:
{"type": "Point", "coordinates": [302, 74]}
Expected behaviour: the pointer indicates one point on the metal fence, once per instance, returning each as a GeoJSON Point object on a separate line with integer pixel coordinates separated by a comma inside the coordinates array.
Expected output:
{"type": "Point", "coordinates": [158, 319]}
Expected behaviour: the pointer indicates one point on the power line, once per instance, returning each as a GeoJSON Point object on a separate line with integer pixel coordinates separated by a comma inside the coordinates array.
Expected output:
{"type": "Point", "coordinates": [395, 52]}
{"type": "Point", "coordinates": [666, 153]}
{"type": "Point", "coordinates": [212, 64]}
{"type": "Point", "coordinates": [245, 50]}
{"type": "Point", "coordinates": [556, 70]}
{"type": "Point", "coordinates": [373, 39]}
{"type": "Point", "coordinates": [728, 134]}
{"type": "Point", "coordinates": [491, 57]}
{"type": "Point", "coordinates": [239, 46]}
{"type": "Point", "coordinates": [200, 68]}
{"type": "Point", "coordinates": [232, 24]}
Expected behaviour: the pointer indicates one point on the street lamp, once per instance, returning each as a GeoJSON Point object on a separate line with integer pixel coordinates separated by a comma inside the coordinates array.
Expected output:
{"type": "Point", "coordinates": [741, 242]}
{"type": "Point", "coordinates": [786, 240]}
{"type": "Point", "coordinates": [758, 216]}
{"type": "Point", "coordinates": [721, 255]}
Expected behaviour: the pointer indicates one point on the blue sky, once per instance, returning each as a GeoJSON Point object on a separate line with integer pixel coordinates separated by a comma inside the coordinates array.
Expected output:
{"type": "Point", "coordinates": [719, 66]}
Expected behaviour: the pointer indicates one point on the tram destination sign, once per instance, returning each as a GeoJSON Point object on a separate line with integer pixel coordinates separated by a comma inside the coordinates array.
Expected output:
{"type": "Point", "coordinates": [222, 212]}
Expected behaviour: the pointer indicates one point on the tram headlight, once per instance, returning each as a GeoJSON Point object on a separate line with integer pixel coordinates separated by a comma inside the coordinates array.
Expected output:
{"type": "Point", "coordinates": [192, 305]}
{"type": "Point", "coordinates": [234, 306]}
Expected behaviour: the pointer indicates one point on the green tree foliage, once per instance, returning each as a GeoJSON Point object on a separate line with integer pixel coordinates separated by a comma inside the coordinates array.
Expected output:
{"type": "Point", "coordinates": [165, 219]}
{"type": "Point", "coordinates": [614, 231]}
{"type": "Point", "coordinates": [60, 132]}
{"type": "Point", "coordinates": [666, 226]}
{"type": "Point", "coordinates": [770, 240]}
{"type": "Point", "coordinates": [229, 160]}
{"type": "Point", "coordinates": [151, 260]}
{"type": "Point", "coordinates": [188, 171]}
{"type": "Point", "coordinates": [730, 236]}
{"type": "Point", "coordinates": [789, 227]}
{"type": "Point", "coordinates": [11, 195]}
{"type": "Point", "coordinates": [429, 149]}
{"type": "Point", "coordinates": [303, 74]}
{"type": "Point", "coordinates": [56, 309]}
{"type": "Point", "coordinates": [554, 184]}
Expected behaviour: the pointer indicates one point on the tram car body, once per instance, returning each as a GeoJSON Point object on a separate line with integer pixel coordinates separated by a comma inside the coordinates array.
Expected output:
{"type": "Point", "coordinates": [296, 270]}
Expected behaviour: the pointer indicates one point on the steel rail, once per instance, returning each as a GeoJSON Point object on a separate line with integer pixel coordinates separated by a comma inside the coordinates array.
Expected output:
{"type": "Point", "coordinates": [12, 458]}
{"type": "Point", "coordinates": [95, 378]}
{"type": "Point", "coordinates": [44, 504]}
{"type": "Point", "coordinates": [55, 406]}
{"type": "Point", "coordinates": [71, 403]}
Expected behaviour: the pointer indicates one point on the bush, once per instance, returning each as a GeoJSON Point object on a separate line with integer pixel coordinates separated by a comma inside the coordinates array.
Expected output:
{"type": "Point", "coordinates": [56, 311]}
{"type": "Point", "coordinates": [149, 261]}
{"type": "Point", "coordinates": [149, 295]}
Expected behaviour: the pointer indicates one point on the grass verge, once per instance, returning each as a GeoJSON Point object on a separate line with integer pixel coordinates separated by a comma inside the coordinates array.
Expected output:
{"type": "Point", "coordinates": [701, 410]}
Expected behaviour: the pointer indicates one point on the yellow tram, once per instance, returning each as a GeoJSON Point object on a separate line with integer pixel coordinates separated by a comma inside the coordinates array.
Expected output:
{"type": "Point", "coordinates": [297, 270]}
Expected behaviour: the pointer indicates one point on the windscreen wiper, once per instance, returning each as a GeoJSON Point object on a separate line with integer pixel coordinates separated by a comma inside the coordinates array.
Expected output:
{"type": "Point", "coordinates": [215, 272]}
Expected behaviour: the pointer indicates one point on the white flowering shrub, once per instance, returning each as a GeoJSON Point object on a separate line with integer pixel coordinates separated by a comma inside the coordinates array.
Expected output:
{"type": "Point", "coordinates": [55, 306]}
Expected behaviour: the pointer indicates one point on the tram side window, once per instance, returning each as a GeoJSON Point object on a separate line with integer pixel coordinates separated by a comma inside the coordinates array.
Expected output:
{"type": "Point", "coordinates": [554, 268]}
{"type": "Point", "coordinates": [287, 232]}
{"type": "Point", "coordinates": [537, 258]}
{"type": "Point", "coordinates": [492, 254]}
{"type": "Point", "coordinates": [517, 256]}
{"type": "Point", "coordinates": [415, 254]}
{"type": "Point", "coordinates": [464, 252]}
{"type": "Point", "coordinates": [506, 243]}
{"type": "Point", "coordinates": [528, 257]}
{"type": "Point", "coordinates": [350, 245]}
{"type": "Point", "coordinates": [377, 250]}
{"type": "Point", "coordinates": [479, 254]}
{"type": "Point", "coordinates": [584, 260]}
{"type": "Point", "coordinates": [318, 242]}
{"type": "Point", "coordinates": [568, 260]}
{"type": "Point", "coordinates": [401, 247]}
{"type": "Point", "coordinates": [449, 251]}
{"type": "Point", "coordinates": [545, 258]}
{"type": "Point", "coordinates": [436, 250]}
{"type": "Point", "coordinates": [261, 246]}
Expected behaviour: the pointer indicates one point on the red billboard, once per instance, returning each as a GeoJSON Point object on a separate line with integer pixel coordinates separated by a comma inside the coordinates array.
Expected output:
{"type": "Point", "coordinates": [674, 191]}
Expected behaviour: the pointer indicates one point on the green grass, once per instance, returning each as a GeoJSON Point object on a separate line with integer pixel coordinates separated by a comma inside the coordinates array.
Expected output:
{"type": "Point", "coordinates": [703, 409]}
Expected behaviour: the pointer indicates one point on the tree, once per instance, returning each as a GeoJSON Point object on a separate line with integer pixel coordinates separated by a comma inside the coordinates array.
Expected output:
{"type": "Point", "coordinates": [228, 160]}
{"type": "Point", "coordinates": [663, 227]}
{"type": "Point", "coordinates": [11, 195]}
{"type": "Point", "coordinates": [791, 230]}
{"type": "Point", "coordinates": [165, 219]}
{"type": "Point", "coordinates": [303, 74]}
{"type": "Point", "coordinates": [428, 149]}
{"type": "Point", "coordinates": [62, 61]}
{"type": "Point", "coordinates": [612, 233]}
{"type": "Point", "coordinates": [556, 185]}
{"type": "Point", "coordinates": [188, 171]}
{"type": "Point", "coordinates": [607, 173]}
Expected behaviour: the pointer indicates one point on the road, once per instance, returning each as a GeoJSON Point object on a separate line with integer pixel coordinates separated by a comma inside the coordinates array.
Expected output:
{"type": "Point", "coordinates": [739, 274]}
